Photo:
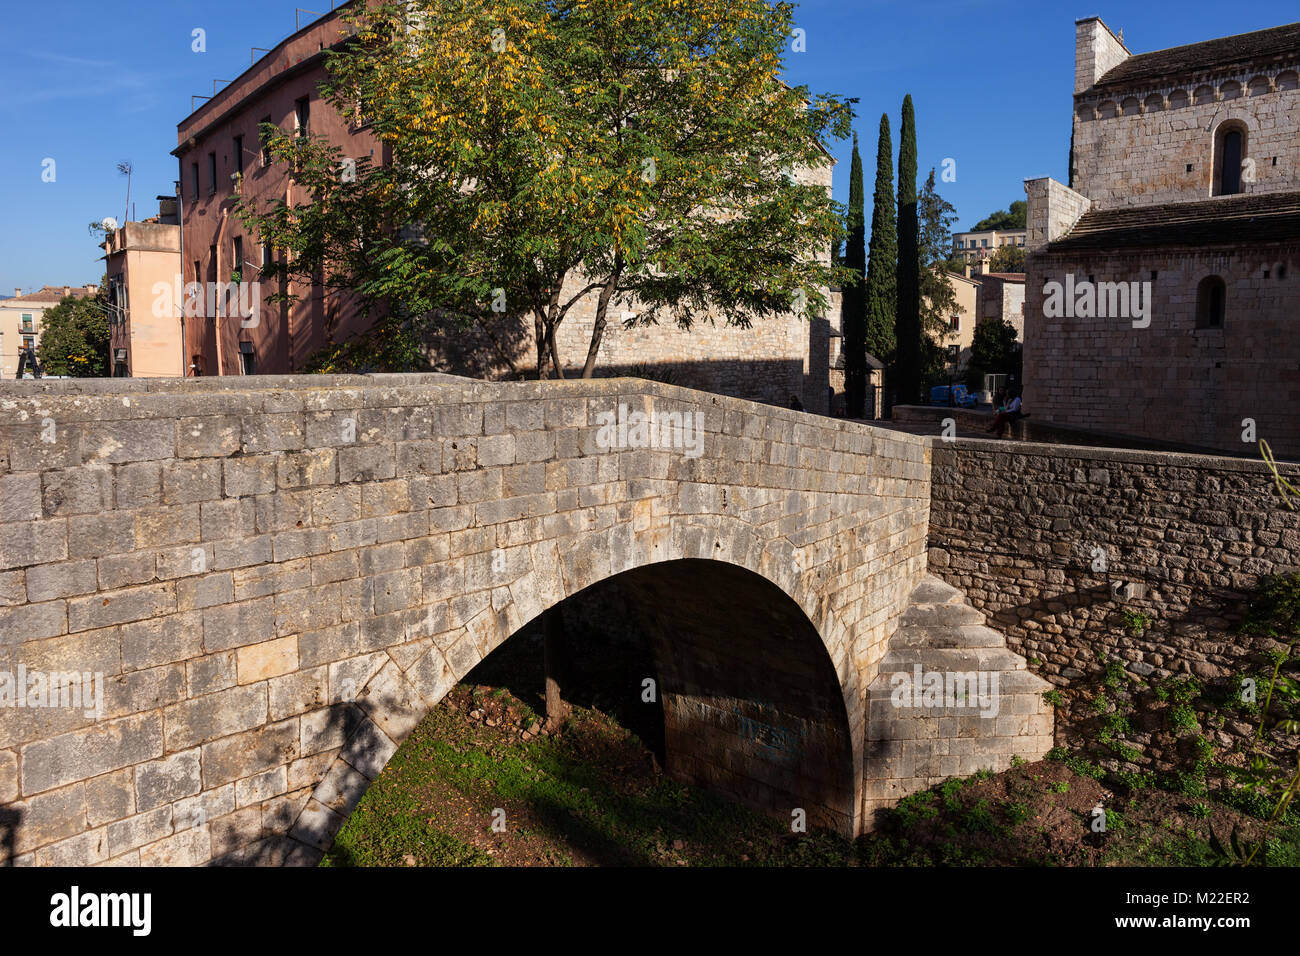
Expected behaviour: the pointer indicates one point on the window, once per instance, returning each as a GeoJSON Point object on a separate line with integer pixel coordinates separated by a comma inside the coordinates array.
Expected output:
{"type": "Point", "coordinates": [1211, 296]}
{"type": "Point", "coordinates": [29, 342]}
{"type": "Point", "coordinates": [302, 115]}
{"type": "Point", "coordinates": [246, 357]}
{"type": "Point", "coordinates": [1230, 148]}
{"type": "Point", "coordinates": [956, 323]}
{"type": "Point", "coordinates": [194, 167]}
{"type": "Point", "coordinates": [212, 263]}
{"type": "Point", "coordinates": [27, 322]}
{"type": "Point", "coordinates": [264, 137]}
{"type": "Point", "coordinates": [268, 256]}
{"type": "Point", "coordinates": [986, 243]}
{"type": "Point", "coordinates": [239, 154]}
{"type": "Point", "coordinates": [212, 173]}
{"type": "Point", "coordinates": [237, 257]}
{"type": "Point", "coordinates": [954, 354]}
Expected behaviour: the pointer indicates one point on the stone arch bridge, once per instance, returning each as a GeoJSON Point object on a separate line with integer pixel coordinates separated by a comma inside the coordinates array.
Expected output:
{"type": "Point", "coordinates": [261, 585]}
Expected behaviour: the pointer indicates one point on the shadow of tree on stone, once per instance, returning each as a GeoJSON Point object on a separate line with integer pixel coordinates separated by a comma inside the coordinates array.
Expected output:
{"type": "Point", "coordinates": [10, 818]}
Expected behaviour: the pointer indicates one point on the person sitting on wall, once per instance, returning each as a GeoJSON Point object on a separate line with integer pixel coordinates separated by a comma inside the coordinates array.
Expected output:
{"type": "Point", "coordinates": [1008, 416]}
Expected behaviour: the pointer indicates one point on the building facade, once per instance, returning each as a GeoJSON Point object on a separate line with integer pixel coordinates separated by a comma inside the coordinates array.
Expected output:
{"type": "Point", "coordinates": [974, 246]}
{"type": "Point", "coordinates": [1163, 285]}
{"type": "Point", "coordinates": [781, 358]}
{"type": "Point", "coordinates": [20, 320]}
{"type": "Point", "coordinates": [1002, 296]}
{"type": "Point", "coordinates": [221, 159]}
{"type": "Point", "coordinates": [960, 334]}
{"type": "Point", "coordinates": [142, 261]}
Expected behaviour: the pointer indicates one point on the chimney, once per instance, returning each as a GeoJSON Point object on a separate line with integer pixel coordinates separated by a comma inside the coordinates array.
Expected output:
{"type": "Point", "coordinates": [1096, 52]}
{"type": "Point", "coordinates": [18, 292]}
{"type": "Point", "coordinates": [966, 268]}
{"type": "Point", "coordinates": [67, 291]}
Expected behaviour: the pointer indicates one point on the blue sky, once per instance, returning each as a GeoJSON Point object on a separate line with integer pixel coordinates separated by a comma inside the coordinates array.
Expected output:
{"type": "Point", "coordinates": [92, 84]}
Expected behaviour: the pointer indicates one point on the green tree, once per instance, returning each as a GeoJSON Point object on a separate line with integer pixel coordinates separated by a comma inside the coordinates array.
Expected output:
{"type": "Point", "coordinates": [1012, 218]}
{"type": "Point", "coordinates": [546, 150]}
{"type": "Point", "coordinates": [907, 324]}
{"type": "Point", "coordinates": [994, 351]}
{"type": "Point", "coordinates": [882, 261]}
{"type": "Point", "coordinates": [938, 300]}
{"type": "Point", "coordinates": [853, 301]}
{"type": "Point", "coordinates": [75, 337]}
{"type": "Point", "coordinates": [1007, 259]}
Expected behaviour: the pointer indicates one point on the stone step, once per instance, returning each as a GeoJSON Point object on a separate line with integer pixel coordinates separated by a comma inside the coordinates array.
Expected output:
{"type": "Point", "coordinates": [963, 635]}
{"type": "Point", "coordinates": [934, 590]}
{"type": "Point", "coordinates": [951, 659]}
{"type": "Point", "coordinates": [941, 615]}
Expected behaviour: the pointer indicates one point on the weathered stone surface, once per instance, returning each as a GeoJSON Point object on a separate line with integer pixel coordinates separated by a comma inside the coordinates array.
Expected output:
{"type": "Point", "coordinates": [285, 601]}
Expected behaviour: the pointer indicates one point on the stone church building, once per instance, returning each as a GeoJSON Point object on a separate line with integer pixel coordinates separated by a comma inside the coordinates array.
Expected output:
{"type": "Point", "coordinates": [1163, 282]}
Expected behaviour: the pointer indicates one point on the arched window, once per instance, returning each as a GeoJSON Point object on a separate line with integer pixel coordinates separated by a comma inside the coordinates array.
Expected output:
{"type": "Point", "coordinates": [1229, 157]}
{"type": "Point", "coordinates": [1211, 297]}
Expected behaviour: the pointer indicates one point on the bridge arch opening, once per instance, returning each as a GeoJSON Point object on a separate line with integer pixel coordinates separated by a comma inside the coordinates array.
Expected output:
{"type": "Point", "coordinates": [746, 704]}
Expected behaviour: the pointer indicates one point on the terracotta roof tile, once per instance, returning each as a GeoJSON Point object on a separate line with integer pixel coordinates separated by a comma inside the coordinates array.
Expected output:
{"type": "Point", "coordinates": [51, 293]}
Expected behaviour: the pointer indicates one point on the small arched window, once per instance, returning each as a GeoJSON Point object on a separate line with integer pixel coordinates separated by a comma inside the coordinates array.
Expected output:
{"type": "Point", "coordinates": [1211, 298]}
{"type": "Point", "coordinates": [1230, 150]}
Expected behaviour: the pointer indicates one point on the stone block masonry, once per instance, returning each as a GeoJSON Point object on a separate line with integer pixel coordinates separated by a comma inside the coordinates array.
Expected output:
{"type": "Point", "coordinates": [277, 577]}
{"type": "Point", "coordinates": [1040, 537]}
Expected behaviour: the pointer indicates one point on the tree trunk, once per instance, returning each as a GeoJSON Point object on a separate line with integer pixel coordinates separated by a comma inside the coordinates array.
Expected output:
{"type": "Point", "coordinates": [539, 336]}
{"type": "Point", "coordinates": [554, 657]}
{"type": "Point", "coordinates": [602, 308]}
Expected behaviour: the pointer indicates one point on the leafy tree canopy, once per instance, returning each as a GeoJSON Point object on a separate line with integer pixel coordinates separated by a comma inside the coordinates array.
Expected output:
{"type": "Point", "coordinates": [938, 300]}
{"type": "Point", "coordinates": [1013, 218]}
{"type": "Point", "coordinates": [1007, 259]}
{"type": "Point", "coordinates": [641, 149]}
{"type": "Point", "coordinates": [75, 338]}
{"type": "Point", "coordinates": [994, 350]}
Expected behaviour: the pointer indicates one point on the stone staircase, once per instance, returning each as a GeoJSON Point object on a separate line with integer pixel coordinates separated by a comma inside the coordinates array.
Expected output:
{"type": "Point", "coordinates": [948, 699]}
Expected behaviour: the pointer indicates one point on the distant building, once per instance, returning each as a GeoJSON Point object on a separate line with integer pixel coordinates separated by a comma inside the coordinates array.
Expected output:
{"type": "Point", "coordinates": [973, 246]}
{"type": "Point", "coordinates": [141, 260]}
{"type": "Point", "coordinates": [1163, 284]}
{"type": "Point", "coordinates": [960, 333]}
{"type": "Point", "coordinates": [20, 320]}
{"type": "Point", "coordinates": [1002, 296]}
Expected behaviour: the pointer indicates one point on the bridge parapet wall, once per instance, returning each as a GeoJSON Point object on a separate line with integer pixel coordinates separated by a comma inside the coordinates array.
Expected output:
{"type": "Point", "coordinates": [276, 578]}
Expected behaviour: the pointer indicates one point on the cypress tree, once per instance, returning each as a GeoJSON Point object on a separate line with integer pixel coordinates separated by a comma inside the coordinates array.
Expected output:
{"type": "Point", "coordinates": [852, 301]}
{"type": "Point", "coordinates": [907, 324]}
{"type": "Point", "coordinates": [882, 278]}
